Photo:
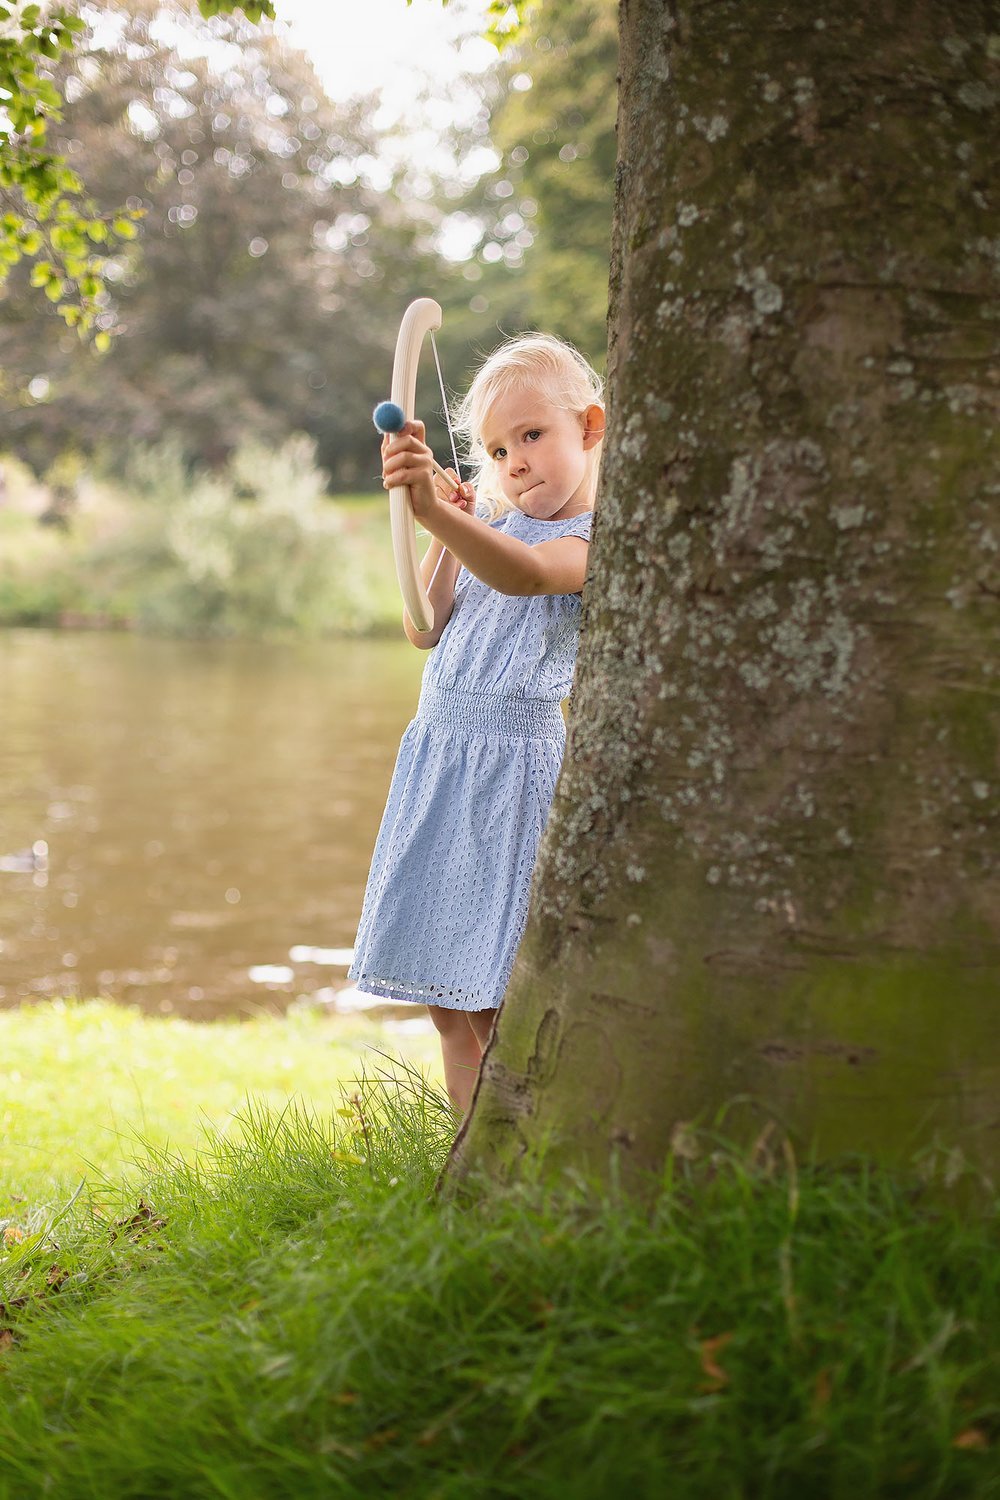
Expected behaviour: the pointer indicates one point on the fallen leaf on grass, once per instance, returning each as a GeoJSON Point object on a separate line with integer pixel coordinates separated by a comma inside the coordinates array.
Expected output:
{"type": "Point", "coordinates": [7, 1339]}
{"type": "Point", "coordinates": [142, 1222]}
{"type": "Point", "coordinates": [344, 1398]}
{"type": "Point", "coordinates": [13, 1234]}
{"type": "Point", "coordinates": [822, 1391]}
{"type": "Point", "coordinates": [717, 1376]}
{"type": "Point", "coordinates": [379, 1439]}
{"type": "Point", "coordinates": [973, 1438]}
{"type": "Point", "coordinates": [334, 1445]}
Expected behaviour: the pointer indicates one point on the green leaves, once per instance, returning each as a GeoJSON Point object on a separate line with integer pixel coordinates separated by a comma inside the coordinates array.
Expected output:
{"type": "Point", "coordinates": [506, 19]}
{"type": "Point", "coordinates": [52, 215]}
{"type": "Point", "coordinates": [254, 10]}
{"type": "Point", "coordinates": [42, 273]}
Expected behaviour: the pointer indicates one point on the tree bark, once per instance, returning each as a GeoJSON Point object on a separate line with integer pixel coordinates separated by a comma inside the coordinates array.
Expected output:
{"type": "Point", "coordinates": [767, 885]}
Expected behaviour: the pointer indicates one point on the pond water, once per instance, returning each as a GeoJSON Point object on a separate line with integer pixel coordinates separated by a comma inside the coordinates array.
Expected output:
{"type": "Point", "coordinates": [209, 811]}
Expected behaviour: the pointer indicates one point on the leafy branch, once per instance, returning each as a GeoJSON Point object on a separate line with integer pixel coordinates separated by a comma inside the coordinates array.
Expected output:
{"type": "Point", "coordinates": [45, 214]}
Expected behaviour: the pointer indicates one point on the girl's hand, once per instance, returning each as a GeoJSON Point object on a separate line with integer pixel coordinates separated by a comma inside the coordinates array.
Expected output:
{"type": "Point", "coordinates": [406, 459]}
{"type": "Point", "coordinates": [454, 491]}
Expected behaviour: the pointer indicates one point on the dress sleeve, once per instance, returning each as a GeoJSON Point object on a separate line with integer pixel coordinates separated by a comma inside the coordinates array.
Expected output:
{"type": "Point", "coordinates": [580, 525]}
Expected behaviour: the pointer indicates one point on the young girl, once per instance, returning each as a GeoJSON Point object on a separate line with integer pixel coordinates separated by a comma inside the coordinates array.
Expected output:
{"type": "Point", "coordinates": [447, 895]}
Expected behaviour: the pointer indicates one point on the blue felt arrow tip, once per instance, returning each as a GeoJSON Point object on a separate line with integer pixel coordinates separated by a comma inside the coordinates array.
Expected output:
{"type": "Point", "coordinates": [388, 417]}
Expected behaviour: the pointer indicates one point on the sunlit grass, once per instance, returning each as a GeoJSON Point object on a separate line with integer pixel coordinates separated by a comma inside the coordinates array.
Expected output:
{"type": "Point", "coordinates": [77, 1081]}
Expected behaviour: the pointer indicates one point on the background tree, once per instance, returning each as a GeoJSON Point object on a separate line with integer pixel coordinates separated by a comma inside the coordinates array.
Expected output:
{"type": "Point", "coordinates": [46, 213]}
{"type": "Point", "coordinates": [768, 885]}
{"type": "Point", "coordinates": [263, 292]}
{"type": "Point", "coordinates": [548, 209]}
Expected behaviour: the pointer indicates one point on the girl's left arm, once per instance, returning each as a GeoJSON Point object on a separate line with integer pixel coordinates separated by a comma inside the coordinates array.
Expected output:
{"type": "Point", "coordinates": [504, 563]}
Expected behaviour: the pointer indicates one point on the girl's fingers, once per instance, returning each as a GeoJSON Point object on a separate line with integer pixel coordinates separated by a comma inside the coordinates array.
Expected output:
{"type": "Point", "coordinates": [452, 490]}
{"type": "Point", "coordinates": [404, 476]}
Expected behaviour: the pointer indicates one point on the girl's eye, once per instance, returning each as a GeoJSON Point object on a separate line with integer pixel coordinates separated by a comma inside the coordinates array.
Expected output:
{"type": "Point", "coordinates": [533, 435]}
{"type": "Point", "coordinates": [498, 453]}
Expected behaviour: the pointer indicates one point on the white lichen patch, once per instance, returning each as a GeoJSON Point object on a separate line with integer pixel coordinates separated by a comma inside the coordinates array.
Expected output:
{"type": "Point", "coordinates": [767, 297]}
{"type": "Point", "coordinates": [978, 96]}
{"type": "Point", "coordinates": [658, 408]}
{"type": "Point", "coordinates": [955, 46]}
{"type": "Point", "coordinates": [687, 214]}
{"type": "Point", "coordinates": [632, 443]}
{"type": "Point", "coordinates": [668, 310]}
{"type": "Point", "coordinates": [713, 129]}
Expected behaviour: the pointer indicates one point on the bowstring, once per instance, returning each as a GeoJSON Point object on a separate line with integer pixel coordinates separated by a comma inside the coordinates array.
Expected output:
{"type": "Point", "coordinates": [451, 439]}
{"type": "Point", "coordinates": [444, 403]}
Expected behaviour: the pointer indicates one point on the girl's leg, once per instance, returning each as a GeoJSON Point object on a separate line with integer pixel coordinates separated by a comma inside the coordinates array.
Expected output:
{"type": "Point", "coordinates": [461, 1052]}
{"type": "Point", "coordinates": [481, 1022]}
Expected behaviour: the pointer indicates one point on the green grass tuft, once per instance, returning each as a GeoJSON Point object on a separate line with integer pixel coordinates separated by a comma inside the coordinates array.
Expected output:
{"type": "Point", "coordinates": [295, 1314]}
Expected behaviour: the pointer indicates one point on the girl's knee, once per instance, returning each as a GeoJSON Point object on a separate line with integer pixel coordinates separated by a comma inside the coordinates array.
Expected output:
{"type": "Point", "coordinates": [481, 1022]}
{"type": "Point", "coordinates": [449, 1022]}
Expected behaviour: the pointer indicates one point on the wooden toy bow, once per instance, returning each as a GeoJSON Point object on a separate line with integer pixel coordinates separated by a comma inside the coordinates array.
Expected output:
{"type": "Point", "coordinates": [422, 317]}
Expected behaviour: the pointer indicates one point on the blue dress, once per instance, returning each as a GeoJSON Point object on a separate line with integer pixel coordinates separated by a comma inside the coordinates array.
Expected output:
{"type": "Point", "coordinates": [447, 894]}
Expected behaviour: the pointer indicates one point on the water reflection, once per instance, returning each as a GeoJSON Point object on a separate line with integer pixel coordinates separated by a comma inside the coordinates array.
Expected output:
{"type": "Point", "coordinates": [208, 809]}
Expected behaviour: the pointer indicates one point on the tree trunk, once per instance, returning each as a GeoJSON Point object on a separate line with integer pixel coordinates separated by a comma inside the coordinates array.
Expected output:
{"type": "Point", "coordinates": [766, 887]}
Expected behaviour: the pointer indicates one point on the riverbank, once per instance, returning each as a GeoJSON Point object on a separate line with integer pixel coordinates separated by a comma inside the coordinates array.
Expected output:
{"type": "Point", "coordinates": [293, 1313]}
{"type": "Point", "coordinates": [258, 551]}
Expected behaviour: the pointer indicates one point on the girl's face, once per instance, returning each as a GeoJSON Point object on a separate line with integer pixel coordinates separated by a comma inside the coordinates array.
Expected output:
{"type": "Point", "coordinates": [540, 452]}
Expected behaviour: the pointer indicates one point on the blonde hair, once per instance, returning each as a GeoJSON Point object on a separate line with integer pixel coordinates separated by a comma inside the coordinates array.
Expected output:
{"type": "Point", "coordinates": [531, 361]}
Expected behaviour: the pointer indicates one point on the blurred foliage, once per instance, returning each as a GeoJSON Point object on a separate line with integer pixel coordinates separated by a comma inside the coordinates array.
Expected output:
{"type": "Point", "coordinates": [254, 548]}
{"type": "Point", "coordinates": [548, 208]}
{"type": "Point", "coordinates": [276, 248]}
{"type": "Point", "coordinates": [265, 290]}
{"type": "Point", "coordinates": [505, 19]}
{"type": "Point", "coordinates": [47, 216]}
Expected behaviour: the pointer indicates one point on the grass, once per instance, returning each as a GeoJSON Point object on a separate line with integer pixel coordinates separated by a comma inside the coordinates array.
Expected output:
{"type": "Point", "coordinates": [77, 1081]}
{"type": "Point", "coordinates": [291, 1312]}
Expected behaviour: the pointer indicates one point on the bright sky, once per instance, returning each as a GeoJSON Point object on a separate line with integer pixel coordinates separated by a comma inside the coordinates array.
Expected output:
{"type": "Point", "coordinates": [419, 56]}
{"type": "Point", "coordinates": [360, 45]}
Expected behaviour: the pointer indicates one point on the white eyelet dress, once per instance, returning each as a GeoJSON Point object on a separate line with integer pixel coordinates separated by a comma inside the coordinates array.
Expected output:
{"type": "Point", "coordinates": [447, 894]}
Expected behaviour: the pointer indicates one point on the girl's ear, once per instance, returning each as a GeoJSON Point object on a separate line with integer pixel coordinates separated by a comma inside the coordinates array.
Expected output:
{"type": "Point", "coordinates": [593, 425]}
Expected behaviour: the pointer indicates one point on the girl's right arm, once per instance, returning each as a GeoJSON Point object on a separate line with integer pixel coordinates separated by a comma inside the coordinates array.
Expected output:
{"type": "Point", "coordinates": [442, 592]}
{"type": "Point", "coordinates": [441, 595]}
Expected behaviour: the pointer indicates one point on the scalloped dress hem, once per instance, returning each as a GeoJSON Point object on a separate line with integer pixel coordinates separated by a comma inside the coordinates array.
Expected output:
{"type": "Point", "coordinates": [385, 989]}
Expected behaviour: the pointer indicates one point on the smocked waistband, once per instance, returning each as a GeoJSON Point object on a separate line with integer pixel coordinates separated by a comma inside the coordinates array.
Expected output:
{"type": "Point", "coordinates": [491, 713]}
